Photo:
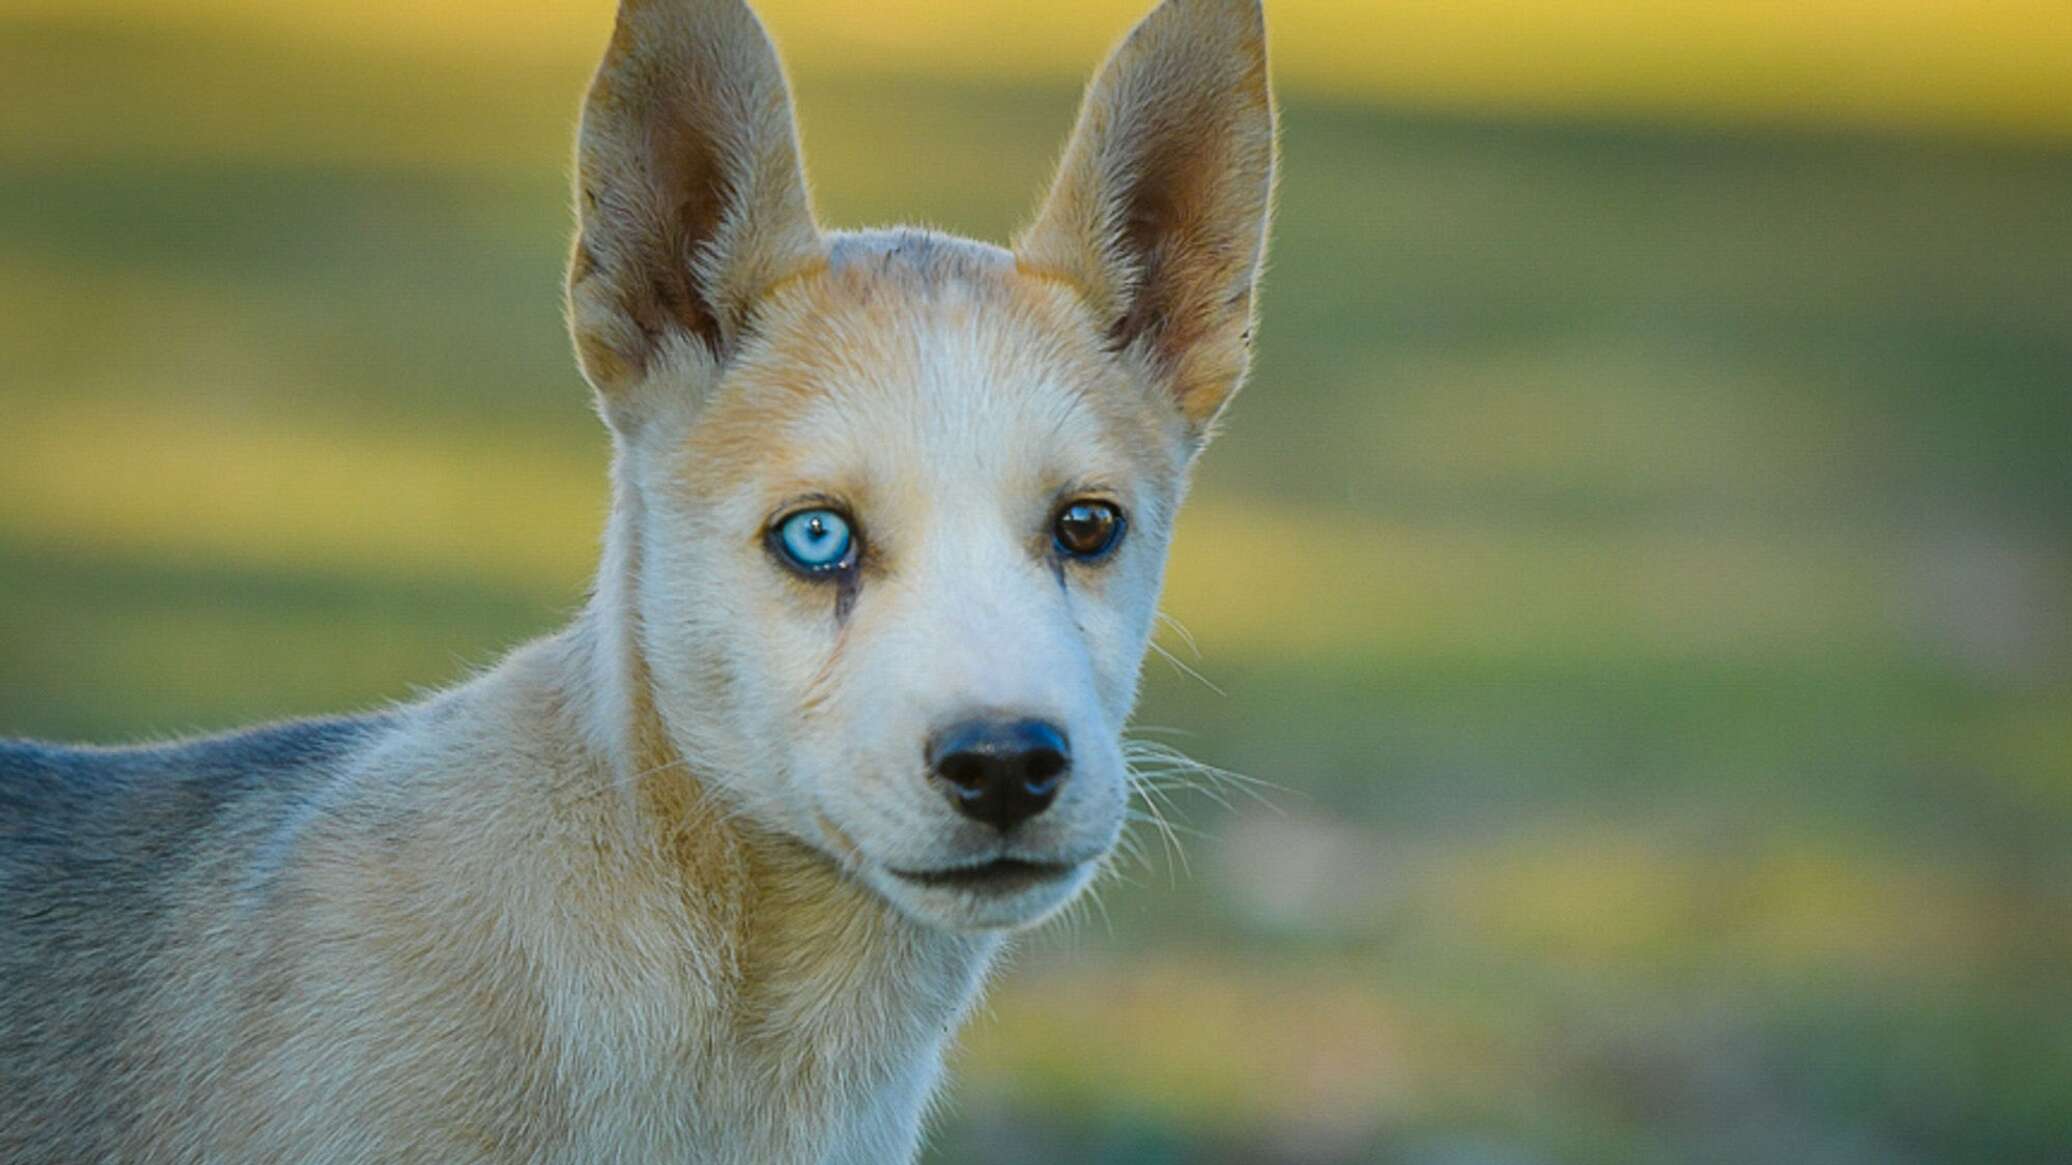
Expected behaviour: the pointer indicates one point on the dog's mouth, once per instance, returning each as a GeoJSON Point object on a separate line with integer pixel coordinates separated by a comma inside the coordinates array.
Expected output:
{"type": "Point", "coordinates": [999, 876]}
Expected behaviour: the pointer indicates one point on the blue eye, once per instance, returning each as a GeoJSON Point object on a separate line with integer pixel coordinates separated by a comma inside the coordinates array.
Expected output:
{"type": "Point", "coordinates": [815, 541]}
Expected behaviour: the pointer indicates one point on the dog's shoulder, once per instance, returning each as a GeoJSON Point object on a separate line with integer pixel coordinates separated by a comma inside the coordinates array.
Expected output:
{"type": "Point", "coordinates": [102, 852]}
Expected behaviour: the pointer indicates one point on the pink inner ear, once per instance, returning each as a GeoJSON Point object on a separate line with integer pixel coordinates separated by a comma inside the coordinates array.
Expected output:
{"type": "Point", "coordinates": [1142, 240]}
{"type": "Point", "coordinates": [693, 185]}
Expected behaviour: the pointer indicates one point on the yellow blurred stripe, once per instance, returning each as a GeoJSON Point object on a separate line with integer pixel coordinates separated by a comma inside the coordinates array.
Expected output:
{"type": "Point", "coordinates": [257, 491]}
{"type": "Point", "coordinates": [1992, 65]}
{"type": "Point", "coordinates": [1248, 579]}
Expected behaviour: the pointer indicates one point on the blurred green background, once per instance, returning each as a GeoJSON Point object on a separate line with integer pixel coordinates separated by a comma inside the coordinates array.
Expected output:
{"type": "Point", "coordinates": [1643, 560]}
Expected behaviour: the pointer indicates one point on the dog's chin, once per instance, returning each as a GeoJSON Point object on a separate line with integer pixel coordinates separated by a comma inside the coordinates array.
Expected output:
{"type": "Point", "coordinates": [1000, 895]}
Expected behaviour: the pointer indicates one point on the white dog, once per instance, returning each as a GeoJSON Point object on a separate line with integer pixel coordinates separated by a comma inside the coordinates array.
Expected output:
{"type": "Point", "coordinates": [713, 874]}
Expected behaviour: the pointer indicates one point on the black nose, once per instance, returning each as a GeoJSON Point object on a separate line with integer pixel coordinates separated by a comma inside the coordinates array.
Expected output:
{"type": "Point", "coordinates": [1001, 772]}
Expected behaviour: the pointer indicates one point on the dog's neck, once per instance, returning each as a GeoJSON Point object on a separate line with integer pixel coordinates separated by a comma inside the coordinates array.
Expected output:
{"type": "Point", "coordinates": [802, 973]}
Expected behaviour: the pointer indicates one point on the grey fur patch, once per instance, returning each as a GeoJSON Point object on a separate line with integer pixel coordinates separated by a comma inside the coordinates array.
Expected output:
{"type": "Point", "coordinates": [96, 845]}
{"type": "Point", "coordinates": [918, 251]}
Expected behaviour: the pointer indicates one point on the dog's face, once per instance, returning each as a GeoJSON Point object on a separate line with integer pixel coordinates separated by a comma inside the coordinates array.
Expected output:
{"type": "Point", "coordinates": [915, 544]}
{"type": "Point", "coordinates": [896, 505]}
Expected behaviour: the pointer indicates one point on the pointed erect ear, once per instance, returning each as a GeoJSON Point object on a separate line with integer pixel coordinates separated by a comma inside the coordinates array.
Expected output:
{"type": "Point", "coordinates": [1160, 206]}
{"type": "Point", "coordinates": [690, 198]}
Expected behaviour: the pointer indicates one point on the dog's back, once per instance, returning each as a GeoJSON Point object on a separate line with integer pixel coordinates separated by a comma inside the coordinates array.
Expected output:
{"type": "Point", "coordinates": [102, 852]}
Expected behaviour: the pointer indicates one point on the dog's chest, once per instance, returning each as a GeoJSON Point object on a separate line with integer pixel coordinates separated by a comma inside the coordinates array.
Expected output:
{"type": "Point", "coordinates": [738, 1111]}
{"type": "Point", "coordinates": [837, 1072]}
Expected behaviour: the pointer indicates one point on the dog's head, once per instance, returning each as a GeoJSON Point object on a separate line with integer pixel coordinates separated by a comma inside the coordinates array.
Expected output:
{"type": "Point", "coordinates": [893, 507]}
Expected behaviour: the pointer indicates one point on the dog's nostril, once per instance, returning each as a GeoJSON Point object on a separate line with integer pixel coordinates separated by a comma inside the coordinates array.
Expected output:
{"type": "Point", "coordinates": [966, 770]}
{"type": "Point", "coordinates": [1001, 772]}
{"type": "Point", "coordinates": [1043, 769]}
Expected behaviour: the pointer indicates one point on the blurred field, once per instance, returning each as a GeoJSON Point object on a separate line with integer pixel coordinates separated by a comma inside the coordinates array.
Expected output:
{"type": "Point", "coordinates": [1643, 556]}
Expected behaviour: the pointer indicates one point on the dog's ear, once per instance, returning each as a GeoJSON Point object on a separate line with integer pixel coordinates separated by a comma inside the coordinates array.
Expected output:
{"type": "Point", "coordinates": [690, 197]}
{"type": "Point", "coordinates": [1159, 210]}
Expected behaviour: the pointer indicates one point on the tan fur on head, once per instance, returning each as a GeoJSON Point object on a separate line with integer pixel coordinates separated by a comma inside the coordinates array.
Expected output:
{"type": "Point", "coordinates": [690, 196]}
{"type": "Point", "coordinates": [1160, 207]}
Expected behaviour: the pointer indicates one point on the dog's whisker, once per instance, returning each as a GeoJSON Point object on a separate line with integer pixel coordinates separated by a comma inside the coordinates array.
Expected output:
{"type": "Point", "coordinates": [1174, 848]}
{"type": "Point", "coordinates": [1181, 833]}
{"type": "Point", "coordinates": [1177, 820]}
{"type": "Point", "coordinates": [1158, 759]}
{"type": "Point", "coordinates": [1185, 668]}
{"type": "Point", "coordinates": [1167, 841]}
{"type": "Point", "coordinates": [1125, 877]}
{"type": "Point", "coordinates": [1132, 847]}
{"type": "Point", "coordinates": [1179, 629]}
{"type": "Point", "coordinates": [1094, 902]}
{"type": "Point", "coordinates": [1159, 730]}
{"type": "Point", "coordinates": [1170, 786]}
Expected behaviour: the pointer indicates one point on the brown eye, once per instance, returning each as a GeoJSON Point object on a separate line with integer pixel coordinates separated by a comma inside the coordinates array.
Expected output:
{"type": "Point", "coordinates": [1087, 529]}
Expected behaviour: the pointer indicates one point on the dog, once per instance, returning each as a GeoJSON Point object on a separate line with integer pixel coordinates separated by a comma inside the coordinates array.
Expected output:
{"type": "Point", "coordinates": [714, 873]}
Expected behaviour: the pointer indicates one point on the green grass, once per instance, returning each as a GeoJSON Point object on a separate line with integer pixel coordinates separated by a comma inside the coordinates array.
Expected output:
{"type": "Point", "coordinates": [1641, 561]}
